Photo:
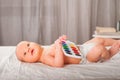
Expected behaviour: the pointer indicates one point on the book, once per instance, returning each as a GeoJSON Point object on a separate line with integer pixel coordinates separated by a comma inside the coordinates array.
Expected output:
{"type": "Point", "coordinates": [109, 33]}
{"type": "Point", "coordinates": [105, 29]}
{"type": "Point", "coordinates": [106, 32]}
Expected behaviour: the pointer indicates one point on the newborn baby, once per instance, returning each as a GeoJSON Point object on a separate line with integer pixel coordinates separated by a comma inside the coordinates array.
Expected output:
{"type": "Point", "coordinates": [53, 55]}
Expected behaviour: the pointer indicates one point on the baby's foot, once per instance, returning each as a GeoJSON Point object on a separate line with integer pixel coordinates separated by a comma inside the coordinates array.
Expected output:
{"type": "Point", "coordinates": [115, 48]}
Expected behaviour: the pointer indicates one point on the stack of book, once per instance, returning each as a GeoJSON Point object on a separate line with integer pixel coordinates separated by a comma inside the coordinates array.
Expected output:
{"type": "Point", "coordinates": [106, 32]}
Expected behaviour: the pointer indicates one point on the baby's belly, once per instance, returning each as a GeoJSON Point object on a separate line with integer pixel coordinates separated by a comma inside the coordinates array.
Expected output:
{"type": "Point", "coordinates": [70, 60]}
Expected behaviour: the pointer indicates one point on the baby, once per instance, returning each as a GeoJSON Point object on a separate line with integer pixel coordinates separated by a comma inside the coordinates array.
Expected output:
{"type": "Point", "coordinates": [93, 50]}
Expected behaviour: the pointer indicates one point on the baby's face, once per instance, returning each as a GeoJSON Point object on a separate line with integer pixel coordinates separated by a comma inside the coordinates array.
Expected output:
{"type": "Point", "coordinates": [28, 51]}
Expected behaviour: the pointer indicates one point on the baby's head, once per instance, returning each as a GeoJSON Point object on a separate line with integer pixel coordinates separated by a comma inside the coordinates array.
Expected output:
{"type": "Point", "coordinates": [29, 51]}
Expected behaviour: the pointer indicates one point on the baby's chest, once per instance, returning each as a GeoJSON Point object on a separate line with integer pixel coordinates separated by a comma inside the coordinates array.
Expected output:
{"type": "Point", "coordinates": [49, 52]}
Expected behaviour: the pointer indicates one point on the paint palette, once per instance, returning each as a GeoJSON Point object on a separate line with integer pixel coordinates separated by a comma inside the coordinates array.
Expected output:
{"type": "Point", "coordinates": [70, 49]}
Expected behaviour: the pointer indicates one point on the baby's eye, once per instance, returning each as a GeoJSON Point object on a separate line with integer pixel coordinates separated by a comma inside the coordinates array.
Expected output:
{"type": "Point", "coordinates": [24, 53]}
{"type": "Point", "coordinates": [28, 44]}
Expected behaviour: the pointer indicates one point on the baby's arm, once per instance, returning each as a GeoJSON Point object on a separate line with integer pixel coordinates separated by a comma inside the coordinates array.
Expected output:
{"type": "Point", "coordinates": [56, 60]}
{"type": "Point", "coordinates": [56, 57]}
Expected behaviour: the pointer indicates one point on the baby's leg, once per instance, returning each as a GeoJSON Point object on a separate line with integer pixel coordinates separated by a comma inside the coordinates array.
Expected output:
{"type": "Point", "coordinates": [95, 40]}
{"type": "Point", "coordinates": [102, 41]}
{"type": "Point", "coordinates": [115, 48]}
{"type": "Point", "coordinates": [97, 53]}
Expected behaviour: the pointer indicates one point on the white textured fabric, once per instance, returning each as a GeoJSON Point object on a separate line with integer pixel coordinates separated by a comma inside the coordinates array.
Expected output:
{"type": "Point", "coordinates": [13, 69]}
{"type": "Point", "coordinates": [85, 48]}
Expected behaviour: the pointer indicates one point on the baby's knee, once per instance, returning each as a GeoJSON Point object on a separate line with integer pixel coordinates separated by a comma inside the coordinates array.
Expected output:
{"type": "Point", "coordinates": [95, 53]}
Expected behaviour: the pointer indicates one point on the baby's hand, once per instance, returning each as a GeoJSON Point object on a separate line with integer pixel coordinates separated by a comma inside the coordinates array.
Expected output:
{"type": "Point", "coordinates": [60, 39]}
{"type": "Point", "coordinates": [58, 42]}
{"type": "Point", "coordinates": [63, 38]}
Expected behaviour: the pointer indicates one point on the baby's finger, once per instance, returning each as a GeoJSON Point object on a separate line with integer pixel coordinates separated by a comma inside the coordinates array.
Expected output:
{"type": "Point", "coordinates": [62, 38]}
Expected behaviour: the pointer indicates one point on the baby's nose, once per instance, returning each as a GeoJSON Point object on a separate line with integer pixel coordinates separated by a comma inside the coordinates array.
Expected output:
{"type": "Point", "coordinates": [28, 49]}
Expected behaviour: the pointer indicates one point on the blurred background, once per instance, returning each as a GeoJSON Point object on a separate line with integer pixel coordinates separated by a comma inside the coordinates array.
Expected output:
{"type": "Point", "coordinates": [43, 21]}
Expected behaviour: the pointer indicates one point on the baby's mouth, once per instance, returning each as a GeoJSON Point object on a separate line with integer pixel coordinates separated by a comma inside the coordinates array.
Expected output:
{"type": "Point", "coordinates": [32, 51]}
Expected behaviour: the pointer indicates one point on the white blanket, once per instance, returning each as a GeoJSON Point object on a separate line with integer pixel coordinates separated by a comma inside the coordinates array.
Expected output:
{"type": "Point", "coordinates": [13, 69]}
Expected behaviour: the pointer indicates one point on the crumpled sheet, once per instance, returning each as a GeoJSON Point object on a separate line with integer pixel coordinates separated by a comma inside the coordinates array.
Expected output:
{"type": "Point", "coordinates": [13, 69]}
